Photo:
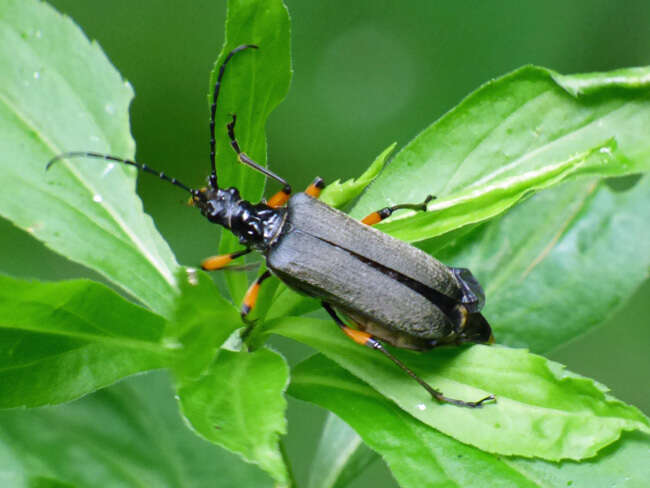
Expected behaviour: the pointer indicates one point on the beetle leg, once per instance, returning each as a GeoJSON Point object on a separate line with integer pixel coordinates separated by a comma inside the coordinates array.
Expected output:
{"type": "Point", "coordinates": [365, 339]}
{"type": "Point", "coordinates": [386, 212]}
{"type": "Point", "coordinates": [280, 198]}
{"type": "Point", "coordinates": [315, 188]}
{"type": "Point", "coordinates": [245, 159]}
{"type": "Point", "coordinates": [218, 262]}
{"type": "Point", "coordinates": [249, 302]}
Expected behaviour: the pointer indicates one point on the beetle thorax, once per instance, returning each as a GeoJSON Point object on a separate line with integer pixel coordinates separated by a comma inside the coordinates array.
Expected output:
{"type": "Point", "coordinates": [255, 225]}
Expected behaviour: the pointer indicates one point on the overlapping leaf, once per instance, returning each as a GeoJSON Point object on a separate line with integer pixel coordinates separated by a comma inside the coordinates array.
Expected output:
{"type": "Point", "coordinates": [516, 134]}
{"type": "Point", "coordinates": [220, 391]}
{"type": "Point", "coordinates": [420, 456]}
{"type": "Point", "coordinates": [541, 409]}
{"type": "Point", "coordinates": [238, 403]}
{"type": "Point", "coordinates": [202, 322]}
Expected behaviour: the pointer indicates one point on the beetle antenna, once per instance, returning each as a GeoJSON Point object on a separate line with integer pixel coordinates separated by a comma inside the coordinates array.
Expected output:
{"type": "Point", "coordinates": [107, 157]}
{"type": "Point", "coordinates": [213, 111]}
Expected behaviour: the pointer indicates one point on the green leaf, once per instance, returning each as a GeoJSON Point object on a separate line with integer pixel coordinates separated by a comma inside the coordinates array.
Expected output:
{"type": "Point", "coordinates": [514, 135]}
{"type": "Point", "coordinates": [341, 455]}
{"type": "Point", "coordinates": [129, 435]}
{"type": "Point", "coordinates": [581, 84]}
{"type": "Point", "coordinates": [481, 202]}
{"type": "Point", "coordinates": [46, 482]}
{"type": "Point", "coordinates": [254, 83]}
{"type": "Point", "coordinates": [338, 194]}
{"type": "Point", "coordinates": [238, 403]}
{"type": "Point", "coordinates": [51, 102]}
{"type": "Point", "coordinates": [420, 456]}
{"type": "Point", "coordinates": [59, 341]}
{"type": "Point", "coordinates": [541, 409]}
{"type": "Point", "coordinates": [549, 280]}
{"type": "Point", "coordinates": [221, 391]}
{"type": "Point", "coordinates": [202, 322]}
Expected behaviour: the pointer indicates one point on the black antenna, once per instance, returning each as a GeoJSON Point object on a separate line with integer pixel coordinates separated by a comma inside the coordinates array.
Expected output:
{"type": "Point", "coordinates": [213, 111]}
{"type": "Point", "coordinates": [141, 167]}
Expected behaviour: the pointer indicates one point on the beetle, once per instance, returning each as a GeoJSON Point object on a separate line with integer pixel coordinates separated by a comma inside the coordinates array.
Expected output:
{"type": "Point", "coordinates": [390, 290]}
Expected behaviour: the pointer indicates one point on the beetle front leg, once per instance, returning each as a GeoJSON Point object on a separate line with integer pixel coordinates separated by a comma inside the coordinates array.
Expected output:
{"type": "Point", "coordinates": [384, 213]}
{"type": "Point", "coordinates": [214, 263]}
{"type": "Point", "coordinates": [280, 198]}
{"type": "Point", "coordinates": [365, 339]}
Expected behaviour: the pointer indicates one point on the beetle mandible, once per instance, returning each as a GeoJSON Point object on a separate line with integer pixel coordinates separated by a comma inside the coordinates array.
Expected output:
{"type": "Point", "coordinates": [390, 290]}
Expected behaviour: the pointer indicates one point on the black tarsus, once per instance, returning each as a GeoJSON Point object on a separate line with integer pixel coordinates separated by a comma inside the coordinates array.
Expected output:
{"type": "Point", "coordinates": [213, 111]}
{"type": "Point", "coordinates": [388, 211]}
{"type": "Point", "coordinates": [108, 157]}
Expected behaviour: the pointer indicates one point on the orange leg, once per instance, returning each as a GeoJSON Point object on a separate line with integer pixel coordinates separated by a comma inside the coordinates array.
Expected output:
{"type": "Point", "coordinates": [386, 212]}
{"type": "Point", "coordinates": [365, 339]}
{"type": "Point", "coordinates": [316, 187]}
{"type": "Point", "coordinates": [214, 263]}
{"type": "Point", "coordinates": [249, 302]}
{"type": "Point", "coordinates": [280, 198]}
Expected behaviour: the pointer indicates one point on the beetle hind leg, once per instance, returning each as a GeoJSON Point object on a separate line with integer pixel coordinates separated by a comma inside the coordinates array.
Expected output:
{"type": "Point", "coordinates": [366, 339]}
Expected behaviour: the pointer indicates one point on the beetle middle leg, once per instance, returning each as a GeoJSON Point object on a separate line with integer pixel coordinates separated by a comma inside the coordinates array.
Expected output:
{"type": "Point", "coordinates": [249, 302]}
{"type": "Point", "coordinates": [365, 339]}
{"type": "Point", "coordinates": [384, 213]}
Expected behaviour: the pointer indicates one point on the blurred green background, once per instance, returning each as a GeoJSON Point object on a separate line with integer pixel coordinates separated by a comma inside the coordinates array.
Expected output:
{"type": "Point", "coordinates": [366, 73]}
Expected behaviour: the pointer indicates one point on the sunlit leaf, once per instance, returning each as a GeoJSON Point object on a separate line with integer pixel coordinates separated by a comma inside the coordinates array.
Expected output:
{"type": "Point", "coordinates": [420, 456]}
{"type": "Point", "coordinates": [519, 133]}
{"type": "Point", "coordinates": [338, 194]}
{"type": "Point", "coordinates": [541, 410]}
{"type": "Point", "coordinates": [52, 102]}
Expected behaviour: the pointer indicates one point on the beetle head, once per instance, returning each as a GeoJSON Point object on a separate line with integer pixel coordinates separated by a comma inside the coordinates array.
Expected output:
{"type": "Point", "coordinates": [217, 205]}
